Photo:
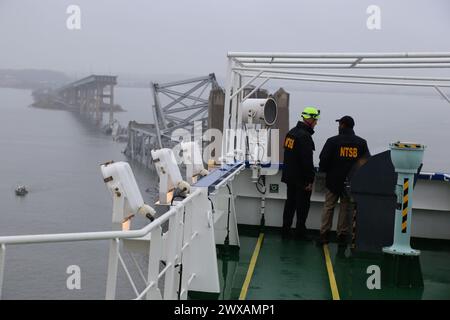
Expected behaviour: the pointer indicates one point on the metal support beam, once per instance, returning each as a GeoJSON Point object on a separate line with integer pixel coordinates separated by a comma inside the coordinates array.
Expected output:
{"type": "Point", "coordinates": [255, 89]}
{"type": "Point", "coordinates": [185, 95]}
{"type": "Point", "coordinates": [442, 94]}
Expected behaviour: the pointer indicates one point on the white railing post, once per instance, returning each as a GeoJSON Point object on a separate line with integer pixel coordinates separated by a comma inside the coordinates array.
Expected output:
{"type": "Point", "coordinates": [170, 283]}
{"type": "Point", "coordinates": [113, 260]}
{"type": "Point", "coordinates": [234, 235]}
{"type": "Point", "coordinates": [113, 263]}
{"type": "Point", "coordinates": [154, 259]}
{"type": "Point", "coordinates": [203, 254]}
{"type": "Point", "coordinates": [2, 266]}
{"type": "Point", "coordinates": [186, 254]}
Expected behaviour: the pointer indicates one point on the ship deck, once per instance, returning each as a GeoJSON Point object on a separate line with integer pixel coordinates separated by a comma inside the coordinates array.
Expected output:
{"type": "Point", "coordinates": [296, 269]}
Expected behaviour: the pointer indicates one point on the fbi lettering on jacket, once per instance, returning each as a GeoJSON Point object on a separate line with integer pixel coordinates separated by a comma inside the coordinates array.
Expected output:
{"type": "Point", "coordinates": [289, 143]}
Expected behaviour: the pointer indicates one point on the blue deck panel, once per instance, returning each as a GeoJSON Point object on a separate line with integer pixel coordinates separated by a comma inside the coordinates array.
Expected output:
{"type": "Point", "coordinates": [217, 175]}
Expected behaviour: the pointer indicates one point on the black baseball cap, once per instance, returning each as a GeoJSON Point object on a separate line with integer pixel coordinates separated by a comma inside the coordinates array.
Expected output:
{"type": "Point", "coordinates": [347, 121]}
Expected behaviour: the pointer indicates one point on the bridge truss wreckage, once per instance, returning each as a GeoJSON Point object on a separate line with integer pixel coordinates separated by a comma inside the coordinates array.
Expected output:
{"type": "Point", "coordinates": [176, 105]}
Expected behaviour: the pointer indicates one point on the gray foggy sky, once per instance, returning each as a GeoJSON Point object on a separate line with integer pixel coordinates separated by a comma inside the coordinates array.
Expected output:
{"type": "Point", "coordinates": [192, 37]}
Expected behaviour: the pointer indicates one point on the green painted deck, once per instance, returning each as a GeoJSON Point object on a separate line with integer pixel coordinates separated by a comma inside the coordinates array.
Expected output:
{"type": "Point", "coordinates": [295, 269]}
{"type": "Point", "coordinates": [351, 274]}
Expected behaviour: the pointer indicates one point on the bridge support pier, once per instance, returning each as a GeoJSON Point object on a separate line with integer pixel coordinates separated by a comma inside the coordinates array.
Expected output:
{"type": "Point", "coordinates": [91, 96]}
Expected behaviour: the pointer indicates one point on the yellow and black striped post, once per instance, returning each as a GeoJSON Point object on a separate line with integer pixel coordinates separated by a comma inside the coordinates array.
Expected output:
{"type": "Point", "coordinates": [402, 228]}
{"type": "Point", "coordinates": [405, 205]}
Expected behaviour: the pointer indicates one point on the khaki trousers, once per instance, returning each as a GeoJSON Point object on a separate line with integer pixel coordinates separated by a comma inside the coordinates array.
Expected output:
{"type": "Point", "coordinates": [346, 206]}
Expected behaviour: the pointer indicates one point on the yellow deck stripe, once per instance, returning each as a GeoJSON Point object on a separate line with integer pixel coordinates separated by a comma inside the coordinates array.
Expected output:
{"type": "Point", "coordinates": [251, 267]}
{"type": "Point", "coordinates": [332, 279]}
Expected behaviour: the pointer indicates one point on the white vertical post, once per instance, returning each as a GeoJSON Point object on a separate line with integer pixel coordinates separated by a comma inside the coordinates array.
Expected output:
{"type": "Point", "coordinates": [163, 187]}
{"type": "Point", "coordinates": [113, 263]}
{"type": "Point", "coordinates": [234, 235]}
{"type": "Point", "coordinates": [203, 254]}
{"type": "Point", "coordinates": [234, 115]}
{"type": "Point", "coordinates": [233, 100]}
{"type": "Point", "coordinates": [227, 111]}
{"type": "Point", "coordinates": [237, 85]}
{"type": "Point", "coordinates": [154, 257]}
{"type": "Point", "coordinates": [170, 282]}
{"type": "Point", "coordinates": [228, 84]}
{"type": "Point", "coordinates": [186, 255]}
{"type": "Point", "coordinates": [113, 260]}
{"type": "Point", "coordinates": [2, 266]}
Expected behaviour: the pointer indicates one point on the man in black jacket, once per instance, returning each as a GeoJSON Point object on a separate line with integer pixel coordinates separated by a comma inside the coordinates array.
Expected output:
{"type": "Point", "coordinates": [299, 172]}
{"type": "Point", "coordinates": [338, 156]}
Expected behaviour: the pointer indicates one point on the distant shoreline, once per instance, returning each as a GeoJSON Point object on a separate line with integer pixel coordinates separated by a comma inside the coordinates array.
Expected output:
{"type": "Point", "coordinates": [18, 87]}
{"type": "Point", "coordinates": [105, 108]}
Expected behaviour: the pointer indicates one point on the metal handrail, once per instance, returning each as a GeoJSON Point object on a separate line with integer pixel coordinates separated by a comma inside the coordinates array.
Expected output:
{"type": "Point", "coordinates": [355, 60]}
{"type": "Point", "coordinates": [97, 235]}
{"type": "Point", "coordinates": [337, 75]}
{"type": "Point", "coordinates": [339, 55]}
{"type": "Point", "coordinates": [91, 236]}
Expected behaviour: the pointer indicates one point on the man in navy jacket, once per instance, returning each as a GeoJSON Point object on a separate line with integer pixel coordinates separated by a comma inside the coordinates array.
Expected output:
{"type": "Point", "coordinates": [338, 156]}
{"type": "Point", "coordinates": [299, 172]}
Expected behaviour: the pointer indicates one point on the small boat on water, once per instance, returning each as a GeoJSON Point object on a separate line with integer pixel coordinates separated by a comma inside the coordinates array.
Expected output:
{"type": "Point", "coordinates": [21, 191]}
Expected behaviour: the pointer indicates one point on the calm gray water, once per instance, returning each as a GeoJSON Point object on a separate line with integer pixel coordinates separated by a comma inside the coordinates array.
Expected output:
{"type": "Point", "coordinates": [57, 155]}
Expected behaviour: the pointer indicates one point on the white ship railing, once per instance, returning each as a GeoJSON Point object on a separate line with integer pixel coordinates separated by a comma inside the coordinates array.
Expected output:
{"type": "Point", "coordinates": [179, 237]}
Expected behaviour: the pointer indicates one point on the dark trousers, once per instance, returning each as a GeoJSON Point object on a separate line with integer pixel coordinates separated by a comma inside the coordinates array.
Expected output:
{"type": "Point", "coordinates": [298, 200]}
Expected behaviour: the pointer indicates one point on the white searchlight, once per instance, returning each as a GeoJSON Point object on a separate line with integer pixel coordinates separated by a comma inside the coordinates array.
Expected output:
{"type": "Point", "coordinates": [169, 175]}
{"type": "Point", "coordinates": [259, 111]}
{"type": "Point", "coordinates": [128, 201]}
{"type": "Point", "coordinates": [192, 158]}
